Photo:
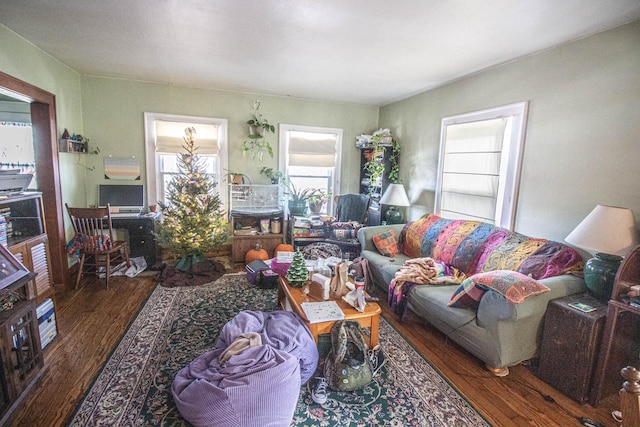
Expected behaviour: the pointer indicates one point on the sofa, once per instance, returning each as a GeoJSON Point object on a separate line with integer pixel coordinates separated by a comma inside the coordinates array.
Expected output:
{"type": "Point", "coordinates": [497, 331]}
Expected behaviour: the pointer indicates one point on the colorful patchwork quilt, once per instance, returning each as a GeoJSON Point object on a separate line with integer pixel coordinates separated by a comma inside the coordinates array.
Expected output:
{"type": "Point", "coordinates": [476, 247]}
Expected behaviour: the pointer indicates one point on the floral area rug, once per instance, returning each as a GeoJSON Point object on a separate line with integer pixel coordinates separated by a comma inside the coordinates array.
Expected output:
{"type": "Point", "coordinates": [178, 324]}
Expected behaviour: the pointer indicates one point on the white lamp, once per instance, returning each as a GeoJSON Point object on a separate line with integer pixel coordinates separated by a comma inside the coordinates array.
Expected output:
{"type": "Point", "coordinates": [395, 195]}
{"type": "Point", "coordinates": [609, 232]}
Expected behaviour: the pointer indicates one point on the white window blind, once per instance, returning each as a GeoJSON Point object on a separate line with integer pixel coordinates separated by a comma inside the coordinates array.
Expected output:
{"type": "Point", "coordinates": [479, 167]}
{"type": "Point", "coordinates": [312, 149]}
{"type": "Point", "coordinates": [471, 169]}
{"type": "Point", "coordinates": [170, 137]}
{"type": "Point", "coordinates": [164, 138]}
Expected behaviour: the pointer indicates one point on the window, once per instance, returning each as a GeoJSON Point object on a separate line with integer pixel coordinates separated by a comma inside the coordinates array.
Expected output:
{"type": "Point", "coordinates": [479, 167]}
{"type": "Point", "coordinates": [310, 157]}
{"type": "Point", "coordinates": [164, 139]}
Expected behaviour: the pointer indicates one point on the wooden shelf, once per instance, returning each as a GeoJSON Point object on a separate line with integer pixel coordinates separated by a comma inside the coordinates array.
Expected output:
{"type": "Point", "coordinates": [621, 331]}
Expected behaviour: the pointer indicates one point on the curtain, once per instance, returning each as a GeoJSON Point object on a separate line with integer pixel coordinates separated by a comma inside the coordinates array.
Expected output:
{"type": "Point", "coordinates": [170, 137]}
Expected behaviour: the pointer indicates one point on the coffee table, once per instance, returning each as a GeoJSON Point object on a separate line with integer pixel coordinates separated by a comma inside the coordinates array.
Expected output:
{"type": "Point", "coordinates": [290, 299]}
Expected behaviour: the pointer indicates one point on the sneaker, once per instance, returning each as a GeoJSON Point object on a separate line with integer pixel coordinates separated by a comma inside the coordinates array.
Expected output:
{"type": "Point", "coordinates": [319, 392]}
{"type": "Point", "coordinates": [376, 357]}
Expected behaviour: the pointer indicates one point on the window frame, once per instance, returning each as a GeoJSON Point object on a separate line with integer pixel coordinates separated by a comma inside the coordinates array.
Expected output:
{"type": "Point", "coordinates": [154, 179]}
{"type": "Point", "coordinates": [512, 149]}
{"type": "Point", "coordinates": [283, 158]}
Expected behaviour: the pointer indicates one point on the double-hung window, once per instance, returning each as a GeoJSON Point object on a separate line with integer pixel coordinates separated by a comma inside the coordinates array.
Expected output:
{"type": "Point", "coordinates": [165, 139]}
{"type": "Point", "coordinates": [479, 167]}
{"type": "Point", "coordinates": [310, 157]}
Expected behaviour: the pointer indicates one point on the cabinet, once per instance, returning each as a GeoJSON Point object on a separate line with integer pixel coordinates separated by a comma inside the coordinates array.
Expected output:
{"type": "Point", "coordinates": [256, 213]}
{"type": "Point", "coordinates": [21, 360]}
{"type": "Point", "coordinates": [570, 345]}
{"type": "Point", "coordinates": [621, 338]}
{"type": "Point", "coordinates": [375, 187]}
{"type": "Point", "coordinates": [140, 236]}
{"type": "Point", "coordinates": [27, 240]}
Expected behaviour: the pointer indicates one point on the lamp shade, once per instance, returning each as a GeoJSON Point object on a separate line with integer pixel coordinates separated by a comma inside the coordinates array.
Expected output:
{"type": "Point", "coordinates": [607, 229]}
{"type": "Point", "coordinates": [395, 195]}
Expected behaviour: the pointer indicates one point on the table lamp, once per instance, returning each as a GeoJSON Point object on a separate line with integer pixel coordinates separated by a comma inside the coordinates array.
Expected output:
{"type": "Point", "coordinates": [395, 195]}
{"type": "Point", "coordinates": [609, 232]}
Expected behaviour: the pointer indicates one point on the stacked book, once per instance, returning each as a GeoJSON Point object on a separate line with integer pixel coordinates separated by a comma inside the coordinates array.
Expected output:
{"type": "Point", "coordinates": [6, 228]}
{"type": "Point", "coordinates": [308, 226]}
{"type": "Point", "coordinates": [3, 232]}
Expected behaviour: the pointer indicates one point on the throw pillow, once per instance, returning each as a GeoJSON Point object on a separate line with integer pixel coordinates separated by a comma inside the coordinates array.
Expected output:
{"type": "Point", "coordinates": [386, 243]}
{"type": "Point", "coordinates": [344, 235]}
{"type": "Point", "coordinates": [514, 286]}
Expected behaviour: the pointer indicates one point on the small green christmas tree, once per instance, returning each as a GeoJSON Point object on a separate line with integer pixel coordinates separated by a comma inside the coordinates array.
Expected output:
{"type": "Point", "coordinates": [192, 220]}
{"type": "Point", "coordinates": [297, 275]}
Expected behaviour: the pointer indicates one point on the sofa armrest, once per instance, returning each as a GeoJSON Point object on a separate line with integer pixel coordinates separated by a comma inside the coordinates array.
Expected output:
{"type": "Point", "coordinates": [494, 307]}
{"type": "Point", "coordinates": [365, 234]}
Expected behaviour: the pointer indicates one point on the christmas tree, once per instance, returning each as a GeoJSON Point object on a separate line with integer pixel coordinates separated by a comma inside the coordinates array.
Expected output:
{"type": "Point", "coordinates": [192, 220]}
{"type": "Point", "coordinates": [297, 274]}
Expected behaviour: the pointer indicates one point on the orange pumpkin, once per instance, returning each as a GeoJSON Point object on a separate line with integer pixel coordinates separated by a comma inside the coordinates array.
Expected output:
{"type": "Point", "coordinates": [254, 254]}
{"type": "Point", "coordinates": [283, 247]}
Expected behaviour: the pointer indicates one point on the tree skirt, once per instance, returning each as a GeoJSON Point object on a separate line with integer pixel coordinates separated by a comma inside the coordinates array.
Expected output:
{"type": "Point", "coordinates": [178, 324]}
{"type": "Point", "coordinates": [199, 273]}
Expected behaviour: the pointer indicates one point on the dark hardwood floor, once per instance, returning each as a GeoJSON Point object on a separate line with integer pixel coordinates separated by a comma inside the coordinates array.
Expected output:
{"type": "Point", "coordinates": [92, 319]}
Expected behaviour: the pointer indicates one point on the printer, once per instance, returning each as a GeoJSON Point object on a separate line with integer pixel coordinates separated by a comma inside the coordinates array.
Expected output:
{"type": "Point", "coordinates": [12, 182]}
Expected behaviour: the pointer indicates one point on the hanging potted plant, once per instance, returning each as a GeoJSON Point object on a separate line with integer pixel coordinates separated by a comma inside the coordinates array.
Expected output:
{"type": "Point", "coordinates": [257, 145]}
{"type": "Point", "coordinates": [272, 174]}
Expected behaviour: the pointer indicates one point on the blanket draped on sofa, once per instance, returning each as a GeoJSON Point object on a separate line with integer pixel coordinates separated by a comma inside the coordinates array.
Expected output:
{"type": "Point", "coordinates": [475, 247]}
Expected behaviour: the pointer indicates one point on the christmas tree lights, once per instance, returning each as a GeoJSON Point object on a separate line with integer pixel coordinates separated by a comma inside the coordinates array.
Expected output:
{"type": "Point", "coordinates": [193, 222]}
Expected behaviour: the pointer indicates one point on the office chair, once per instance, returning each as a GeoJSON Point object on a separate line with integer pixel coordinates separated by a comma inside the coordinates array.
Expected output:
{"type": "Point", "coordinates": [94, 239]}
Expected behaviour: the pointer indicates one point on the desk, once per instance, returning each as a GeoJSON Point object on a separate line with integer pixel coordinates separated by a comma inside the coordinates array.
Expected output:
{"type": "Point", "coordinates": [140, 236]}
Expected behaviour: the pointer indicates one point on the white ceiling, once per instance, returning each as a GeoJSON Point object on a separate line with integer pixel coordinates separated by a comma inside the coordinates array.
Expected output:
{"type": "Point", "coordinates": [356, 51]}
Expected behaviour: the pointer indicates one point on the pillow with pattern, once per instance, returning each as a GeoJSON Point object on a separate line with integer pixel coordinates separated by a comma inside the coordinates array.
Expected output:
{"type": "Point", "coordinates": [514, 286]}
{"type": "Point", "coordinates": [386, 243]}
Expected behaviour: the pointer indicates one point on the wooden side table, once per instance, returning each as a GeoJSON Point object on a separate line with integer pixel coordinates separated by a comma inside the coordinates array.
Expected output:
{"type": "Point", "coordinates": [570, 345]}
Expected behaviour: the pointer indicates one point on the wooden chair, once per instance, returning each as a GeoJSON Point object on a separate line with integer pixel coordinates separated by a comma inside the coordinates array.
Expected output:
{"type": "Point", "coordinates": [94, 239]}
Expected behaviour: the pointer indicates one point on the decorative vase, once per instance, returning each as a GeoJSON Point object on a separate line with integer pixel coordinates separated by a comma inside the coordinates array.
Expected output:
{"type": "Point", "coordinates": [297, 207]}
{"type": "Point", "coordinates": [316, 206]}
{"type": "Point", "coordinates": [599, 275]}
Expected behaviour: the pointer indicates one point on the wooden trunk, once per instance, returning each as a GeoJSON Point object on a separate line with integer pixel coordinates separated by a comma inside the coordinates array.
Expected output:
{"type": "Point", "coordinates": [570, 345]}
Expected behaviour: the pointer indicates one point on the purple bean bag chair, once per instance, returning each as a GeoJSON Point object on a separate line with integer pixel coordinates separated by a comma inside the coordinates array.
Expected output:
{"type": "Point", "coordinates": [266, 357]}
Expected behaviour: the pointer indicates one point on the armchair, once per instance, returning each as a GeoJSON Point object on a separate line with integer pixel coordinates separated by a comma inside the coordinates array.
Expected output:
{"type": "Point", "coordinates": [351, 215]}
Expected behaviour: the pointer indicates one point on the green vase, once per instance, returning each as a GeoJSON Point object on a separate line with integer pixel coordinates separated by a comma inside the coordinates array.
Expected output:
{"type": "Point", "coordinates": [297, 207]}
{"type": "Point", "coordinates": [599, 275]}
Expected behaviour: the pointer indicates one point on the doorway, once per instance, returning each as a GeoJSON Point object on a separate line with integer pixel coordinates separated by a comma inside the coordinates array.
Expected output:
{"type": "Point", "coordinates": [47, 165]}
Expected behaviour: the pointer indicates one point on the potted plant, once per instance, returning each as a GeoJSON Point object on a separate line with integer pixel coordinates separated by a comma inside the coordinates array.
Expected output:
{"type": "Point", "coordinates": [298, 197]}
{"type": "Point", "coordinates": [236, 177]}
{"type": "Point", "coordinates": [273, 174]}
{"type": "Point", "coordinates": [317, 200]}
{"type": "Point", "coordinates": [257, 145]}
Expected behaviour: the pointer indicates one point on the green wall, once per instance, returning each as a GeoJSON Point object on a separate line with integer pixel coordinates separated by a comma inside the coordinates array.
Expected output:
{"type": "Point", "coordinates": [582, 145]}
{"type": "Point", "coordinates": [24, 61]}
{"type": "Point", "coordinates": [113, 120]}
